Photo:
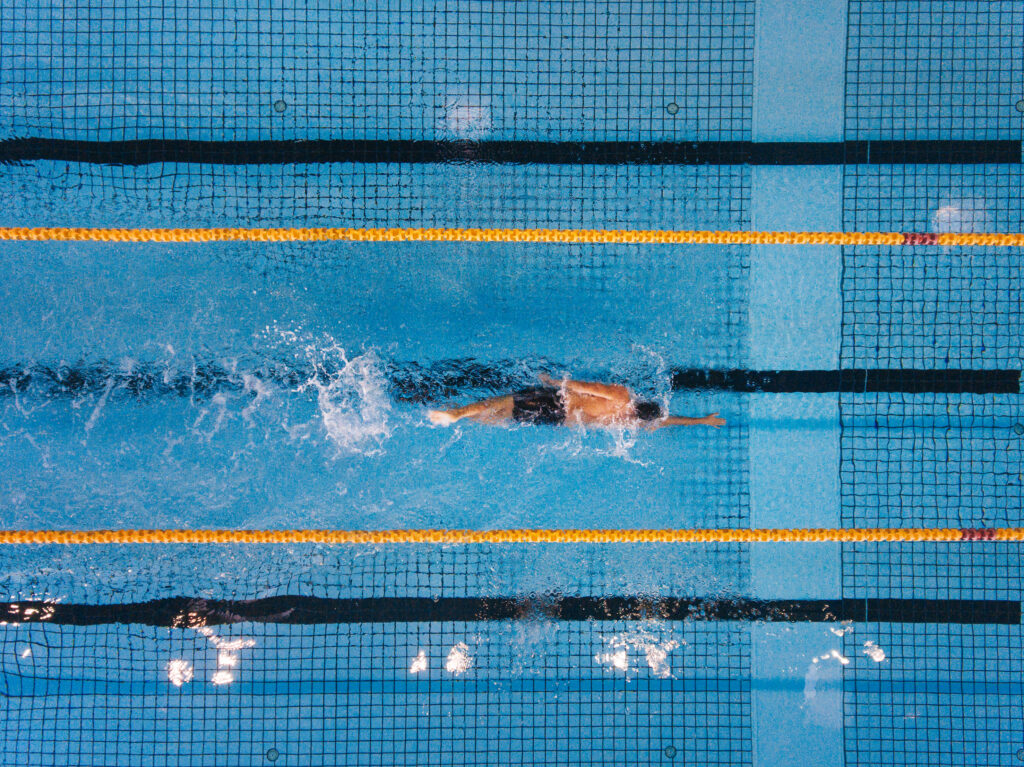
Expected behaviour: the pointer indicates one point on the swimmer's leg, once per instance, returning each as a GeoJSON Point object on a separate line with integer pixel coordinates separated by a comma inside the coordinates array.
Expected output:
{"type": "Point", "coordinates": [490, 411]}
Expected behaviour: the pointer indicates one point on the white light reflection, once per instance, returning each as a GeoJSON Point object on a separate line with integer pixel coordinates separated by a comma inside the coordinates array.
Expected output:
{"type": "Point", "coordinates": [833, 654]}
{"type": "Point", "coordinates": [846, 629]}
{"type": "Point", "coordinates": [657, 658]}
{"type": "Point", "coordinates": [654, 652]}
{"type": "Point", "coordinates": [465, 117]}
{"type": "Point", "coordinates": [179, 672]}
{"type": "Point", "coordinates": [459, 659]}
{"type": "Point", "coordinates": [822, 703]}
{"type": "Point", "coordinates": [617, 660]}
{"type": "Point", "coordinates": [227, 654]}
{"type": "Point", "coordinates": [419, 663]}
{"type": "Point", "coordinates": [873, 651]}
{"type": "Point", "coordinates": [962, 215]}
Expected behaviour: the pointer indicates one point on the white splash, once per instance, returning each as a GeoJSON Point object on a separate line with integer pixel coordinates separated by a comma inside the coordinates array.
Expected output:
{"type": "Point", "coordinates": [263, 392]}
{"type": "Point", "coordinates": [458, 660]}
{"type": "Point", "coordinates": [623, 442]}
{"type": "Point", "coordinates": [95, 415]}
{"type": "Point", "coordinates": [219, 403]}
{"type": "Point", "coordinates": [873, 651]}
{"type": "Point", "coordinates": [179, 672]}
{"type": "Point", "coordinates": [419, 663]}
{"type": "Point", "coordinates": [351, 397]}
{"type": "Point", "coordinates": [613, 442]}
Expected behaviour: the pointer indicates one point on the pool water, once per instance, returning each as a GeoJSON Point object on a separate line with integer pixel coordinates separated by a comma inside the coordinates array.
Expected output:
{"type": "Point", "coordinates": [290, 398]}
{"type": "Point", "coordinates": [286, 385]}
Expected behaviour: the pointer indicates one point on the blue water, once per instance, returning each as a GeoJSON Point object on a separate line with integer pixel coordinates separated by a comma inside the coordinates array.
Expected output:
{"type": "Point", "coordinates": [303, 429]}
{"type": "Point", "coordinates": [286, 385]}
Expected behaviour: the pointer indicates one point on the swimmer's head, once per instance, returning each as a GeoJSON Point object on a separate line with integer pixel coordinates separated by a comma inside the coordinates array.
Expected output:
{"type": "Point", "coordinates": [647, 411]}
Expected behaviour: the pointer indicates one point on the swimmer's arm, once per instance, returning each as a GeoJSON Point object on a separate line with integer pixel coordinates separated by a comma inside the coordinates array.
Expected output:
{"type": "Point", "coordinates": [682, 420]}
{"type": "Point", "coordinates": [603, 391]}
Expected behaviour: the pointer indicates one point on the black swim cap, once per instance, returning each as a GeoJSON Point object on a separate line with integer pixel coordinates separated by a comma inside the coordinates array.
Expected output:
{"type": "Point", "coordinates": [647, 411]}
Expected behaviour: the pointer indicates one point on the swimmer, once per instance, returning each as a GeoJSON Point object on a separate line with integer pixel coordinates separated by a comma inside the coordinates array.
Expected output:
{"type": "Point", "coordinates": [576, 403]}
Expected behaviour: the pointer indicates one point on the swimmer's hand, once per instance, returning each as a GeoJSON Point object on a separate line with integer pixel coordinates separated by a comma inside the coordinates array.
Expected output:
{"type": "Point", "coordinates": [548, 380]}
{"type": "Point", "coordinates": [441, 417]}
{"type": "Point", "coordinates": [713, 420]}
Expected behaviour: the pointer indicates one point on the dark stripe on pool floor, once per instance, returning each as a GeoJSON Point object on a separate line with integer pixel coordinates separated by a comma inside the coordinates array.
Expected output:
{"type": "Point", "coordinates": [182, 612]}
{"type": "Point", "coordinates": [853, 381]}
{"type": "Point", "coordinates": [271, 152]}
{"type": "Point", "coordinates": [412, 382]}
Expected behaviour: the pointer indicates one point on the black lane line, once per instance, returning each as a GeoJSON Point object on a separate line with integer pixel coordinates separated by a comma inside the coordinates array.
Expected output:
{"type": "Point", "coordinates": [145, 151]}
{"type": "Point", "coordinates": [182, 612]}
{"type": "Point", "coordinates": [852, 381]}
{"type": "Point", "coordinates": [412, 382]}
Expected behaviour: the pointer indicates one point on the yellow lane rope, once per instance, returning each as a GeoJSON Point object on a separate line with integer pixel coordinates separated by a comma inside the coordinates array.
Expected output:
{"type": "Point", "coordinates": [511, 536]}
{"type": "Point", "coordinates": [606, 236]}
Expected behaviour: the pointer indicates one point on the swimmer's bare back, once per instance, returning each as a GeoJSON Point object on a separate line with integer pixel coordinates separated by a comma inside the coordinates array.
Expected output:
{"type": "Point", "coordinates": [574, 403]}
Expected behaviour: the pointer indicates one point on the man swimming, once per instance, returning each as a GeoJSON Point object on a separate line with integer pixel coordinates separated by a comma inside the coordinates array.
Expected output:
{"type": "Point", "coordinates": [576, 403]}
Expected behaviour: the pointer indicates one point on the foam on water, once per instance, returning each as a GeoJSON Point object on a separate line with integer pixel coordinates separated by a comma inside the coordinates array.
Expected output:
{"type": "Point", "coordinates": [353, 402]}
{"type": "Point", "coordinates": [353, 407]}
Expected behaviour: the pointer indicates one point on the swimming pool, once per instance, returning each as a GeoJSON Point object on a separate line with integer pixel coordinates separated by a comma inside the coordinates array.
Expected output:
{"type": "Point", "coordinates": [284, 385]}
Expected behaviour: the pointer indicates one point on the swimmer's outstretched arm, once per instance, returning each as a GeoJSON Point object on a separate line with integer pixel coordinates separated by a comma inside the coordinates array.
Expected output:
{"type": "Point", "coordinates": [682, 420]}
{"type": "Point", "coordinates": [604, 391]}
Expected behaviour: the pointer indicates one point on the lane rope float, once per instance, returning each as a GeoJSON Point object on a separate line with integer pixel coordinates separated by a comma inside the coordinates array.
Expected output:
{"type": "Point", "coordinates": [778, 535]}
{"type": "Point", "coordinates": [551, 236]}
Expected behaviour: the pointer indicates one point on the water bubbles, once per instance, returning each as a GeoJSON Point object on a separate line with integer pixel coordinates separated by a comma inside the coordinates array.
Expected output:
{"type": "Point", "coordinates": [280, 105]}
{"type": "Point", "coordinates": [672, 108]}
{"type": "Point", "coordinates": [1018, 429]}
{"type": "Point", "coordinates": [1019, 106]}
{"type": "Point", "coordinates": [670, 752]}
{"type": "Point", "coordinates": [272, 754]}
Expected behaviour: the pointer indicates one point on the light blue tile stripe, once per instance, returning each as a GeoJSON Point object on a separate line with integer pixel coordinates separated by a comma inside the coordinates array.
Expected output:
{"type": "Point", "coordinates": [795, 314]}
{"type": "Point", "coordinates": [778, 682]}
{"type": "Point", "coordinates": [799, 70]}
